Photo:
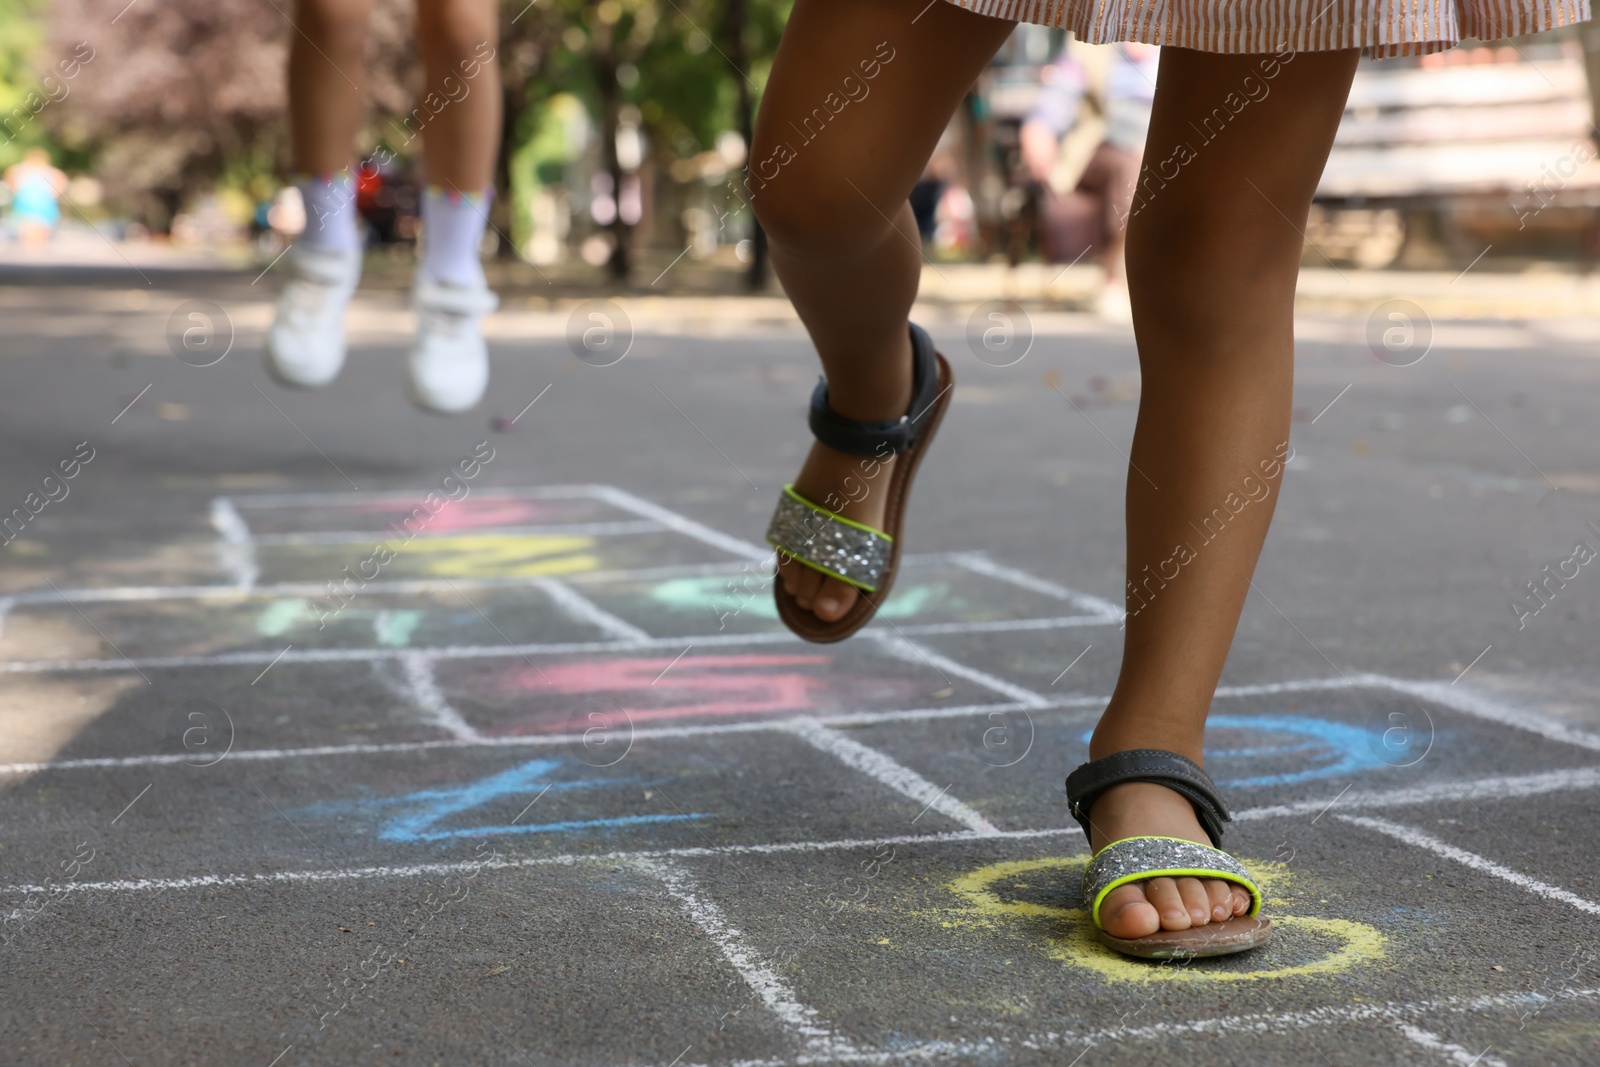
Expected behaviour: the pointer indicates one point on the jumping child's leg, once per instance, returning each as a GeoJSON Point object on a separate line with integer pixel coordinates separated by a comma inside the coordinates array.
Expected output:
{"type": "Point", "coordinates": [461, 135]}
{"type": "Point", "coordinates": [858, 97]}
{"type": "Point", "coordinates": [449, 362]}
{"type": "Point", "coordinates": [327, 101]}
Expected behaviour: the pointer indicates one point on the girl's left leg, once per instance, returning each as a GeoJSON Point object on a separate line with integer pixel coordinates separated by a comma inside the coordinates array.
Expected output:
{"type": "Point", "coordinates": [449, 364]}
{"type": "Point", "coordinates": [459, 42]}
{"type": "Point", "coordinates": [461, 137]}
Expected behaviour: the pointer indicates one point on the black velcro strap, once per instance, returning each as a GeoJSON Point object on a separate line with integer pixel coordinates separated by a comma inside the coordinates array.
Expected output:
{"type": "Point", "coordinates": [882, 438]}
{"type": "Point", "coordinates": [1176, 772]}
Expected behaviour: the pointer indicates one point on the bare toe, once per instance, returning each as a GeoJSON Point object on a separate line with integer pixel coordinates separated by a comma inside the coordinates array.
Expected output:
{"type": "Point", "coordinates": [1241, 898]}
{"type": "Point", "coordinates": [1163, 894]}
{"type": "Point", "coordinates": [1126, 913]}
{"type": "Point", "coordinates": [1196, 901]}
{"type": "Point", "coordinates": [1220, 895]}
{"type": "Point", "coordinates": [801, 583]}
{"type": "Point", "coordinates": [833, 600]}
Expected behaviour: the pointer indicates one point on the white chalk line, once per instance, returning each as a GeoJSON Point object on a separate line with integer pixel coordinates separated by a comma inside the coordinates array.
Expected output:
{"type": "Point", "coordinates": [1479, 705]}
{"type": "Point", "coordinates": [897, 645]}
{"type": "Point", "coordinates": [270, 590]}
{"type": "Point", "coordinates": [773, 992]}
{"type": "Point", "coordinates": [978, 563]}
{"type": "Point", "coordinates": [1454, 1053]}
{"type": "Point", "coordinates": [565, 859]}
{"type": "Point", "coordinates": [423, 690]}
{"type": "Point", "coordinates": [580, 608]}
{"type": "Point", "coordinates": [236, 550]}
{"type": "Point", "coordinates": [626, 501]}
{"type": "Point", "coordinates": [991, 1050]}
{"type": "Point", "coordinates": [1501, 787]}
{"type": "Point", "coordinates": [856, 718]}
{"type": "Point", "coordinates": [401, 496]}
{"type": "Point", "coordinates": [1416, 838]}
{"type": "Point", "coordinates": [570, 529]}
{"type": "Point", "coordinates": [891, 772]}
{"type": "Point", "coordinates": [557, 648]}
{"type": "Point", "coordinates": [1481, 789]}
{"type": "Point", "coordinates": [859, 718]}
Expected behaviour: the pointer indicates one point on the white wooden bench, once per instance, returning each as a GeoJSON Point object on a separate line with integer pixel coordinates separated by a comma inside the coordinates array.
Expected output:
{"type": "Point", "coordinates": [1478, 140]}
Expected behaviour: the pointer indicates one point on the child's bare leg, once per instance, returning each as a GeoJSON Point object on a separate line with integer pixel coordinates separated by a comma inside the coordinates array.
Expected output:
{"type": "Point", "coordinates": [1213, 252]}
{"type": "Point", "coordinates": [458, 41]}
{"type": "Point", "coordinates": [327, 82]}
{"type": "Point", "coordinates": [830, 183]}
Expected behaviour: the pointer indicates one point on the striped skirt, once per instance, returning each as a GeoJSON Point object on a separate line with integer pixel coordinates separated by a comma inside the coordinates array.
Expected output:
{"type": "Point", "coordinates": [1385, 27]}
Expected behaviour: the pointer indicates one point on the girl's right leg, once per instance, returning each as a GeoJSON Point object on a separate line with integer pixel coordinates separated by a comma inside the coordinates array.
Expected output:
{"type": "Point", "coordinates": [858, 97]}
{"type": "Point", "coordinates": [327, 82]}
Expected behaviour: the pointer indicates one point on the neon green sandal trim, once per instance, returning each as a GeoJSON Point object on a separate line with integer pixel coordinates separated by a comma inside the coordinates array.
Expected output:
{"type": "Point", "coordinates": [1234, 873]}
{"type": "Point", "coordinates": [789, 492]}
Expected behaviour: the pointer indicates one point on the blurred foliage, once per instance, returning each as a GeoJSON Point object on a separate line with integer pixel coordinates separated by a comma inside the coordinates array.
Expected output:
{"type": "Point", "coordinates": [21, 36]}
{"type": "Point", "coordinates": [184, 96]}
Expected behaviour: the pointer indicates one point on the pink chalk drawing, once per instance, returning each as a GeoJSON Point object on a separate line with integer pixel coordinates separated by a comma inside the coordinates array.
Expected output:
{"type": "Point", "coordinates": [619, 691]}
{"type": "Point", "coordinates": [475, 513]}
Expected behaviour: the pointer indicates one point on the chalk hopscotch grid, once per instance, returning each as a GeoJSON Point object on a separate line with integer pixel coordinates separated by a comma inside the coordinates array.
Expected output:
{"type": "Point", "coordinates": [1490, 789]}
{"type": "Point", "coordinates": [238, 556]}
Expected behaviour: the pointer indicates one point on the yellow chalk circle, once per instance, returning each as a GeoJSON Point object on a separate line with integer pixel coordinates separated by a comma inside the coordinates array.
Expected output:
{"type": "Point", "coordinates": [1078, 944]}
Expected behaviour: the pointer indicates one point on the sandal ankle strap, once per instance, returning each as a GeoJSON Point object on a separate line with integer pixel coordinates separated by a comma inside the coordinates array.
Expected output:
{"type": "Point", "coordinates": [1178, 773]}
{"type": "Point", "coordinates": [894, 436]}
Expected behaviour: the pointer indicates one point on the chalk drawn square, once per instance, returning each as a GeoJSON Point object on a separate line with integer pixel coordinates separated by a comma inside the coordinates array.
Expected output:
{"type": "Point", "coordinates": [376, 622]}
{"type": "Point", "coordinates": [635, 689]}
{"type": "Point", "coordinates": [931, 591]}
{"type": "Point", "coordinates": [482, 554]}
{"type": "Point", "coordinates": [1297, 742]}
{"type": "Point", "coordinates": [364, 516]}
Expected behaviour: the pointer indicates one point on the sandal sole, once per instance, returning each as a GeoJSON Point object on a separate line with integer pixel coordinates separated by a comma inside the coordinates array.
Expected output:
{"type": "Point", "coordinates": [1213, 939]}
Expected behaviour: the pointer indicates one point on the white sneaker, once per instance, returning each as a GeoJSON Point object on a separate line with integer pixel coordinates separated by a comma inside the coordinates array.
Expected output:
{"type": "Point", "coordinates": [449, 363]}
{"type": "Point", "coordinates": [305, 345]}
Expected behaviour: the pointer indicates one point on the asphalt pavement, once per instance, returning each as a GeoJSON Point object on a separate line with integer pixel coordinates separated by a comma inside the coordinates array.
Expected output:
{"type": "Point", "coordinates": [332, 732]}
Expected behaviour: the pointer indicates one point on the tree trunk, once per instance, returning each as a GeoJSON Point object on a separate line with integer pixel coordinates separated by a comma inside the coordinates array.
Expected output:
{"type": "Point", "coordinates": [733, 26]}
{"type": "Point", "coordinates": [620, 265]}
{"type": "Point", "coordinates": [513, 102]}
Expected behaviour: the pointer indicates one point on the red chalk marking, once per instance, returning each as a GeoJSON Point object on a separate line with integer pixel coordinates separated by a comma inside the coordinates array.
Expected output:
{"type": "Point", "coordinates": [699, 686]}
{"type": "Point", "coordinates": [474, 513]}
{"type": "Point", "coordinates": [731, 683]}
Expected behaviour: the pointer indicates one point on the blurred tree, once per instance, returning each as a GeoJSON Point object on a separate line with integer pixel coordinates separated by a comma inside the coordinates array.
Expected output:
{"type": "Point", "coordinates": [21, 33]}
{"type": "Point", "coordinates": [184, 92]}
{"type": "Point", "coordinates": [691, 69]}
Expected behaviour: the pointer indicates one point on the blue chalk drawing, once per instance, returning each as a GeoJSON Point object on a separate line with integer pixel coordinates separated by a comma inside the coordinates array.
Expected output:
{"type": "Point", "coordinates": [430, 807]}
{"type": "Point", "coordinates": [1331, 749]}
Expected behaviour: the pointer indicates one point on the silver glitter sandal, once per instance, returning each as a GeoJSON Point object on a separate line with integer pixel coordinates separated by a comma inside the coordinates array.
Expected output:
{"type": "Point", "coordinates": [1134, 859]}
{"type": "Point", "coordinates": [815, 536]}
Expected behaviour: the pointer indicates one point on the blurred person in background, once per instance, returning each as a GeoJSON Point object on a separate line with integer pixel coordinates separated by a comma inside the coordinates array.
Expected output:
{"type": "Point", "coordinates": [36, 185]}
{"type": "Point", "coordinates": [458, 119]}
{"type": "Point", "coordinates": [1081, 143]}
